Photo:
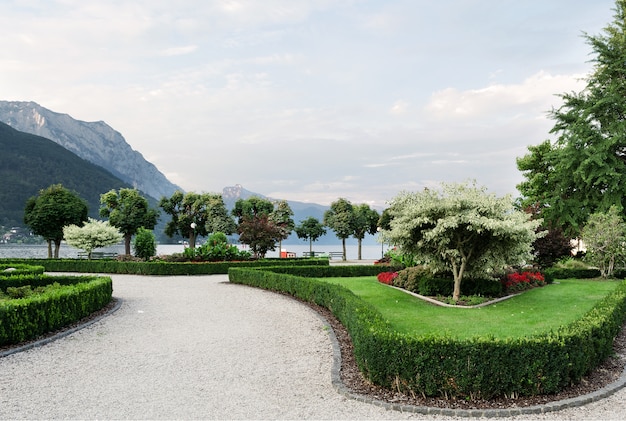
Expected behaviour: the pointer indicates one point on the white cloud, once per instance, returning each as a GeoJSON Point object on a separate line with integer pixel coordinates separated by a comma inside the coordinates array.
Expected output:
{"type": "Point", "coordinates": [534, 95]}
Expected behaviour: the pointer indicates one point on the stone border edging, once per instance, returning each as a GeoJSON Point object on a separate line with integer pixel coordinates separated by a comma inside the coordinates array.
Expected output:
{"type": "Point", "coordinates": [574, 402]}
{"type": "Point", "coordinates": [44, 341]}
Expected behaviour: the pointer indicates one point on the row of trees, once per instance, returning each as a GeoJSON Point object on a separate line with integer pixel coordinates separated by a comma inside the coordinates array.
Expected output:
{"type": "Point", "coordinates": [260, 223]}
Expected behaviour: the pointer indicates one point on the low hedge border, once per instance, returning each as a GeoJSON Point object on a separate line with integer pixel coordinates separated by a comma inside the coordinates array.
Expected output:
{"type": "Point", "coordinates": [481, 367]}
{"type": "Point", "coordinates": [7, 269]}
{"type": "Point", "coordinates": [156, 268]}
{"type": "Point", "coordinates": [27, 318]}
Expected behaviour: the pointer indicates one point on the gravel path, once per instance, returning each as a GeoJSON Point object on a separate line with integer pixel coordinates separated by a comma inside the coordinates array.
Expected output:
{"type": "Point", "coordinates": [198, 347]}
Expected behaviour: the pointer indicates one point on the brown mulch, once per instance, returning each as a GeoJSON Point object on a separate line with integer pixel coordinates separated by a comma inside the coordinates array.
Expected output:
{"type": "Point", "coordinates": [353, 379]}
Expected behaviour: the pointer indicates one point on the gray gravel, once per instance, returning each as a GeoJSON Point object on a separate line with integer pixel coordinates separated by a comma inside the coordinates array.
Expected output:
{"type": "Point", "coordinates": [198, 347]}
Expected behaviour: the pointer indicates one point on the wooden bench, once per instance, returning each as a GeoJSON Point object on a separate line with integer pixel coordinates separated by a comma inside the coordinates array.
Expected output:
{"type": "Point", "coordinates": [97, 255]}
{"type": "Point", "coordinates": [312, 253]}
{"type": "Point", "coordinates": [333, 254]}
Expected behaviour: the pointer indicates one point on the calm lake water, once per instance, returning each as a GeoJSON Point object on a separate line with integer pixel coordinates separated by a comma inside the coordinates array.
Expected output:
{"type": "Point", "coordinates": [368, 252]}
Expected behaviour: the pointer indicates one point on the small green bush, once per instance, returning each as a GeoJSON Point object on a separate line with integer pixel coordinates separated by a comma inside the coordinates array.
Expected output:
{"type": "Point", "coordinates": [144, 244]}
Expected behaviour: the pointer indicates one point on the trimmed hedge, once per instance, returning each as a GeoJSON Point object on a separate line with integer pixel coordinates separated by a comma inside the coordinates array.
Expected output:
{"type": "Point", "coordinates": [562, 273]}
{"type": "Point", "coordinates": [328, 271]}
{"type": "Point", "coordinates": [7, 269]}
{"type": "Point", "coordinates": [158, 267]}
{"type": "Point", "coordinates": [27, 318]}
{"type": "Point", "coordinates": [481, 367]}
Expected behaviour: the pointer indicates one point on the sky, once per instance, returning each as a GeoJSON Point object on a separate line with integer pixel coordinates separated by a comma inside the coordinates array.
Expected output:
{"type": "Point", "coordinates": [308, 100]}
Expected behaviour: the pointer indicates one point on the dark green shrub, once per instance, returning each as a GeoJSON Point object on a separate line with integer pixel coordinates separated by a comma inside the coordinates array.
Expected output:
{"type": "Point", "coordinates": [144, 244]}
{"type": "Point", "coordinates": [431, 286]}
{"type": "Point", "coordinates": [410, 278]}
{"type": "Point", "coordinates": [19, 292]}
{"type": "Point", "coordinates": [52, 307]}
{"type": "Point", "coordinates": [574, 273]}
{"type": "Point", "coordinates": [486, 287]}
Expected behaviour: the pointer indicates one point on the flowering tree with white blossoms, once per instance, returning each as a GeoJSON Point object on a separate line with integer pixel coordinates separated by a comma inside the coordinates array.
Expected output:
{"type": "Point", "coordinates": [461, 229]}
{"type": "Point", "coordinates": [92, 235]}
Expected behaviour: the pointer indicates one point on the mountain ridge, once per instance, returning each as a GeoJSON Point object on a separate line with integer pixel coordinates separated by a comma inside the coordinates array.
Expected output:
{"type": "Point", "coordinates": [96, 142]}
{"type": "Point", "coordinates": [30, 163]}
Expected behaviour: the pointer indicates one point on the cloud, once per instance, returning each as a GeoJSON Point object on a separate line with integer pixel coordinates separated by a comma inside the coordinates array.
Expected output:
{"type": "Point", "coordinates": [533, 96]}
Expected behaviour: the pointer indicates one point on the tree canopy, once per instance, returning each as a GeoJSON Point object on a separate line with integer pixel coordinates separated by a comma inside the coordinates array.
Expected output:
{"type": "Point", "coordinates": [92, 235]}
{"type": "Point", "coordinates": [340, 219]}
{"type": "Point", "coordinates": [196, 214]}
{"type": "Point", "coordinates": [128, 211]}
{"type": "Point", "coordinates": [365, 222]}
{"type": "Point", "coordinates": [584, 170]}
{"type": "Point", "coordinates": [260, 226]}
{"type": "Point", "coordinates": [54, 208]}
{"type": "Point", "coordinates": [310, 229]}
{"type": "Point", "coordinates": [461, 229]}
{"type": "Point", "coordinates": [605, 237]}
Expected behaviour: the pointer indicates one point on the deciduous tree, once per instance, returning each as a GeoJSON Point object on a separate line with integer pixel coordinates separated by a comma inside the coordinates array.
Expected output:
{"type": "Point", "coordinates": [92, 235]}
{"type": "Point", "coordinates": [54, 208]}
{"type": "Point", "coordinates": [256, 227]}
{"type": "Point", "coordinates": [282, 217]}
{"type": "Point", "coordinates": [310, 229]}
{"type": "Point", "coordinates": [605, 239]}
{"type": "Point", "coordinates": [340, 219]}
{"type": "Point", "coordinates": [128, 211]}
{"type": "Point", "coordinates": [195, 214]}
{"type": "Point", "coordinates": [365, 222]}
{"type": "Point", "coordinates": [461, 229]}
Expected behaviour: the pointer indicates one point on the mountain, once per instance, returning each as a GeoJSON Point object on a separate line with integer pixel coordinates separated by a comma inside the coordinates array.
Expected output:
{"type": "Point", "coordinates": [95, 142]}
{"type": "Point", "coordinates": [29, 163]}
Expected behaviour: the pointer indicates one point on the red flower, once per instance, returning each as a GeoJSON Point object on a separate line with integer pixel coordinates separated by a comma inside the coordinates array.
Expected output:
{"type": "Point", "coordinates": [387, 277]}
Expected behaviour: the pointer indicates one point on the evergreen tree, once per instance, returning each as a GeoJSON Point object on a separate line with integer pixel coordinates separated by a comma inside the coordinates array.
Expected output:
{"type": "Point", "coordinates": [584, 171]}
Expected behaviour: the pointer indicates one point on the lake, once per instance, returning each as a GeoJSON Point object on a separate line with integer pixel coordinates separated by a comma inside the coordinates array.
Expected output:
{"type": "Point", "coordinates": [369, 252]}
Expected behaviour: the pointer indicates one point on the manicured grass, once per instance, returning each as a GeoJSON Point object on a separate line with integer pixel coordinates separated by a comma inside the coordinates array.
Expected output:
{"type": "Point", "coordinates": [533, 312]}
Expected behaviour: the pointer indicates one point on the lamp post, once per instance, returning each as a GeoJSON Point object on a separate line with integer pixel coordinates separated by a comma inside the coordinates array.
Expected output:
{"type": "Point", "coordinates": [382, 244]}
{"type": "Point", "coordinates": [192, 237]}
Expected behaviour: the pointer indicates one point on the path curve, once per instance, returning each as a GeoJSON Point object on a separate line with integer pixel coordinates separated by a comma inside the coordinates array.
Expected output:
{"type": "Point", "coordinates": [198, 347]}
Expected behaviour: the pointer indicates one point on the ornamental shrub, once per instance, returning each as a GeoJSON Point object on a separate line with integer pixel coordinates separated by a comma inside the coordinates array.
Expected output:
{"type": "Point", "coordinates": [387, 277]}
{"type": "Point", "coordinates": [521, 281]}
{"type": "Point", "coordinates": [144, 244]}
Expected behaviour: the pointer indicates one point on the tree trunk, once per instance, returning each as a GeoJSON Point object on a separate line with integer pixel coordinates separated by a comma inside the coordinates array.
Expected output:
{"type": "Point", "coordinates": [49, 248]}
{"type": "Point", "coordinates": [457, 272]}
{"type": "Point", "coordinates": [343, 243]}
{"type": "Point", "coordinates": [310, 247]}
{"type": "Point", "coordinates": [127, 238]}
{"type": "Point", "coordinates": [57, 245]}
{"type": "Point", "coordinates": [359, 254]}
{"type": "Point", "coordinates": [192, 240]}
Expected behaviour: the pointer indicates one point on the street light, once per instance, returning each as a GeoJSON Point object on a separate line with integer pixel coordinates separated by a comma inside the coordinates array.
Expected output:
{"type": "Point", "coordinates": [192, 238]}
{"type": "Point", "coordinates": [382, 244]}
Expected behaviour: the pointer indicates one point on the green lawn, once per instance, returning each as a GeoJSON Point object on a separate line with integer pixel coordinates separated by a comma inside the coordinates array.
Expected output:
{"type": "Point", "coordinates": [535, 311]}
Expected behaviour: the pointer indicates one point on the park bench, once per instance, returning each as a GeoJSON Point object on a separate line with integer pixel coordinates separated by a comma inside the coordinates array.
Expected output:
{"type": "Point", "coordinates": [97, 255]}
{"type": "Point", "coordinates": [334, 254]}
